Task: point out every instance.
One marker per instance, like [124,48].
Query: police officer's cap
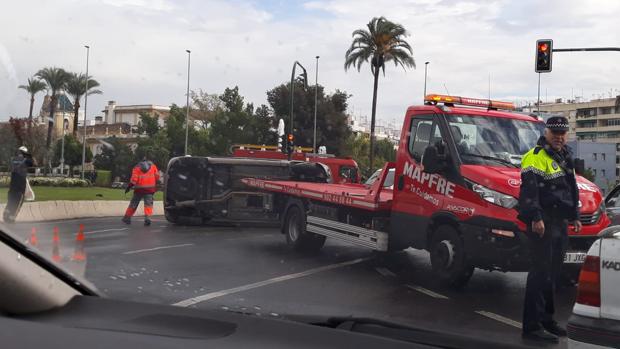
[557,123]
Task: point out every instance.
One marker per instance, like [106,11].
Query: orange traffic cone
[34,241]
[56,248]
[78,254]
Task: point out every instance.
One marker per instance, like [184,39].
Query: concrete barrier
[58,210]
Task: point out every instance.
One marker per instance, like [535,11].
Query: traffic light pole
[538,100]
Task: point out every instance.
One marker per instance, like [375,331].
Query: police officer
[17,188]
[548,201]
[144,178]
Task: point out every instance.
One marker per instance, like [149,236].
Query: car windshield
[221,154]
[493,140]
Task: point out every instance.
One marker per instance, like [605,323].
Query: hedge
[49,182]
[104,178]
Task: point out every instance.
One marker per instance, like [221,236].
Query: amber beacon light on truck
[472,102]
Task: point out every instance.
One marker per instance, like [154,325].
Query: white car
[595,322]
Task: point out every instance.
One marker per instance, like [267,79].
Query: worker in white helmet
[19,170]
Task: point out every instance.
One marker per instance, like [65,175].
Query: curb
[59,210]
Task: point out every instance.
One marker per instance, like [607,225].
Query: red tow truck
[342,170]
[455,194]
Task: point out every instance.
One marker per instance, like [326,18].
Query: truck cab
[457,180]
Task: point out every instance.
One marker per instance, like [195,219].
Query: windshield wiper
[492,158]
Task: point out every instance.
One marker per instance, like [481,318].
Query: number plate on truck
[574,257]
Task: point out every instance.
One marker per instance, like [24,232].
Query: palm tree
[33,87]
[56,79]
[76,87]
[381,43]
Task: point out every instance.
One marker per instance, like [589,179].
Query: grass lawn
[88,193]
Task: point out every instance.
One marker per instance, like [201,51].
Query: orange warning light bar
[474,102]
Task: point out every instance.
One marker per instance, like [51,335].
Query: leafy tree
[205,108]
[76,87]
[73,153]
[116,157]
[357,146]
[382,42]
[33,139]
[589,174]
[33,87]
[155,148]
[56,79]
[8,146]
[149,125]
[332,127]
[239,123]
[175,131]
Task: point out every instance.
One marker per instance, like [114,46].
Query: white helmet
[23,149]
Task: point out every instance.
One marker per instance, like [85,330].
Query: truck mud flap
[373,239]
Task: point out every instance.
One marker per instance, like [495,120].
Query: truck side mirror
[580,167]
[434,159]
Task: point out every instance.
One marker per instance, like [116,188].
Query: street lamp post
[189,53]
[316,88]
[425,74]
[290,154]
[62,148]
[85,108]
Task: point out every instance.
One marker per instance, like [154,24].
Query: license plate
[574,257]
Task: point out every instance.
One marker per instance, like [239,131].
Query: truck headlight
[494,197]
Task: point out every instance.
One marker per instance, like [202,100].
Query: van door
[417,194]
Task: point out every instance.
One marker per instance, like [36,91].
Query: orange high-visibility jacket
[144,178]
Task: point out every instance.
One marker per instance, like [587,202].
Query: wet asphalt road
[252,270]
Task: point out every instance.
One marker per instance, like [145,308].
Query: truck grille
[589,219]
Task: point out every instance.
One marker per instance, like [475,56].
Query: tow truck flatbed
[374,198]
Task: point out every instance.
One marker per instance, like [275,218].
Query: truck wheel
[296,235]
[448,257]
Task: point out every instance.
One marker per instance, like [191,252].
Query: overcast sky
[138,48]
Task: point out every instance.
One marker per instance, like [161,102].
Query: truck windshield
[482,140]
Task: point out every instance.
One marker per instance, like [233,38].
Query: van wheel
[448,257]
[171,216]
[295,231]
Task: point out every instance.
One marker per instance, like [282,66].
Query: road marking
[499,318]
[427,292]
[104,230]
[156,248]
[385,272]
[208,296]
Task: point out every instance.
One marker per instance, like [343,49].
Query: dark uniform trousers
[547,256]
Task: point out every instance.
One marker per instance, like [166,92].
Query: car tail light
[589,290]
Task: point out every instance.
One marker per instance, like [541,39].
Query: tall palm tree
[56,79]
[33,87]
[382,42]
[76,87]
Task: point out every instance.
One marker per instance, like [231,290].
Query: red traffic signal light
[290,137]
[544,51]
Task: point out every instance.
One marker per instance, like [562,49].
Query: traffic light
[289,143]
[544,51]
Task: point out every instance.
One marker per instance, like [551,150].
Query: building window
[594,172]
[607,110]
[586,112]
[612,122]
[594,156]
[617,172]
[603,173]
[603,156]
